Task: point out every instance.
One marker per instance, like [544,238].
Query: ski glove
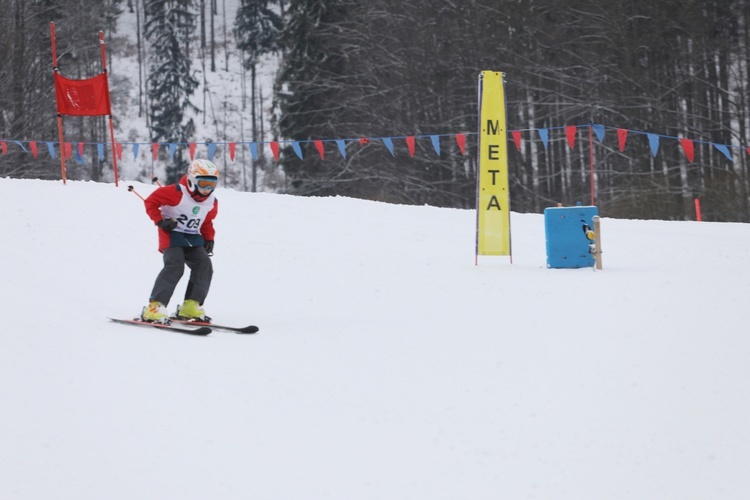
[209,246]
[167,224]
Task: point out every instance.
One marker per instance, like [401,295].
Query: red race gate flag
[89,97]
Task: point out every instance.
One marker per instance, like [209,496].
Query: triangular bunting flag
[724,150]
[544,135]
[341,143]
[571,131]
[297,149]
[599,131]
[4,147]
[435,143]
[321,149]
[79,152]
[516,139]
[389,144]
[411,145]
[461,141]
[653,142]
[688,148]
[622,136]
[570,134]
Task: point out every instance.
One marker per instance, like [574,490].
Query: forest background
[365,71]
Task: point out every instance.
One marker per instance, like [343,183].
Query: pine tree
[309,82]
[169,26]
[257,29]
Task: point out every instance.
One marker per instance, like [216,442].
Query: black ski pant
[201,272]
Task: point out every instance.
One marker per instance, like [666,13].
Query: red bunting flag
[411,145]
[570,134]
[517,139]
[461,141]
[363,141]
[687,145]
[688,148]
[89,97]
[622,136]
[4,147]
[321,149]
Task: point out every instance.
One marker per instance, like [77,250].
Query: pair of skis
[189,327]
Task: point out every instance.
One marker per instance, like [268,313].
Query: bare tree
[389,68]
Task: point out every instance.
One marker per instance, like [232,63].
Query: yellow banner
[493,198]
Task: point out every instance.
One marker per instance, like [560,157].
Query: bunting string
[319,145]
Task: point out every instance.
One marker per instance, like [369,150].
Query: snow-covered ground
[388,365]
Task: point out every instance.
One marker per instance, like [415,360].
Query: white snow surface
[388,364]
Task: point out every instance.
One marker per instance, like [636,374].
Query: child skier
[184,213]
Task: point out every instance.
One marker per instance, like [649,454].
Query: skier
[184,213]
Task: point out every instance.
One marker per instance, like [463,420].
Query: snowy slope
[388,365]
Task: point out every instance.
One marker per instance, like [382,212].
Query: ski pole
[156,180]
[132,190]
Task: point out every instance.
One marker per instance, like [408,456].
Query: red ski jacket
[171,195]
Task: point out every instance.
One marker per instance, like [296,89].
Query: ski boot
[155,312]
[192,310]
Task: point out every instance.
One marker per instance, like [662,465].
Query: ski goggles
[206,182]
